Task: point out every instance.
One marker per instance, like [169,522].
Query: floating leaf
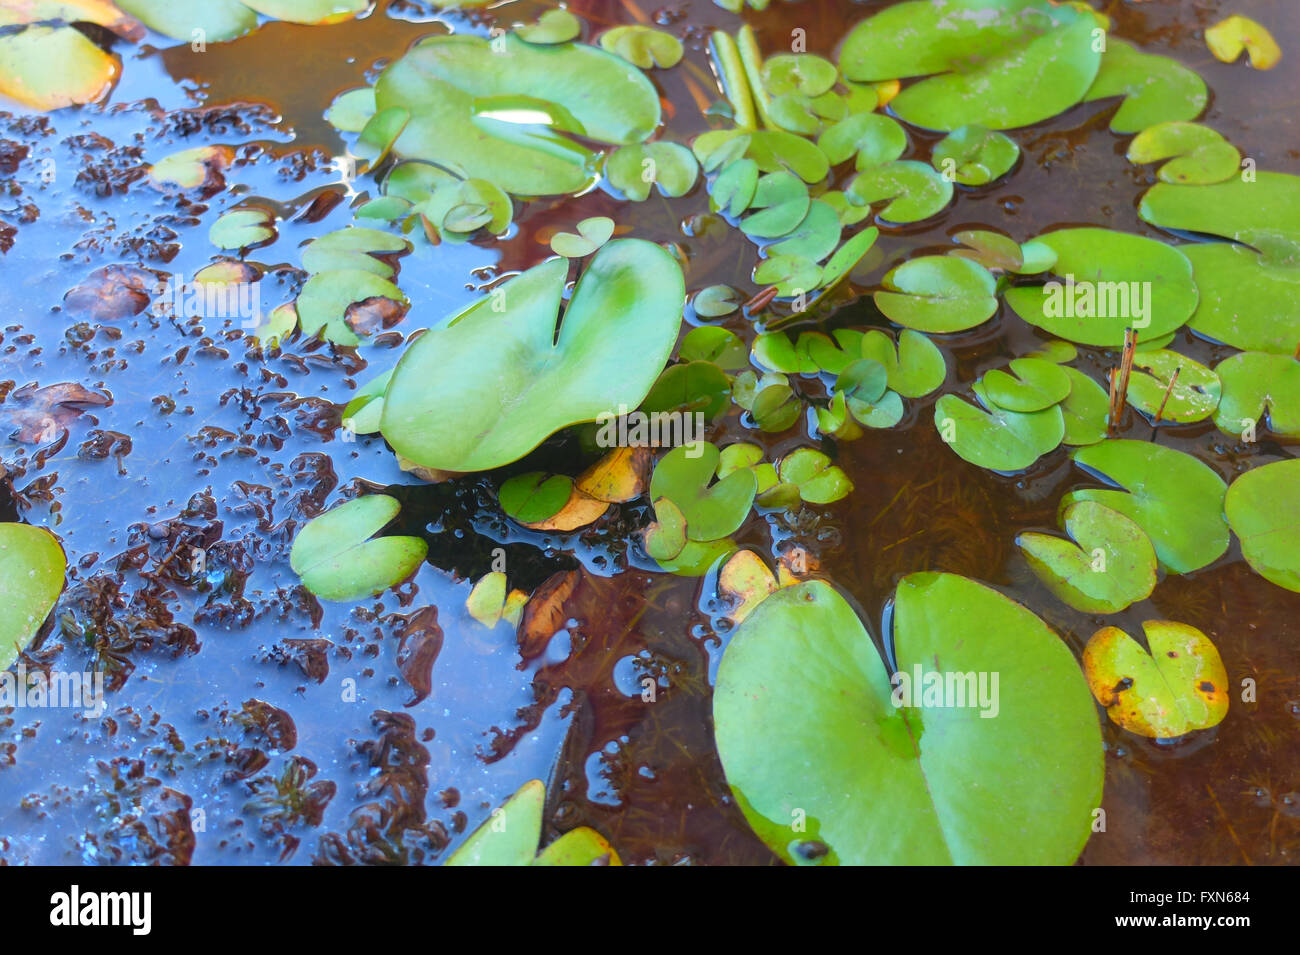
[848,255]
[199,168]
[592,234]
[711,511]
[1175,498]
[1108,565]
[1037,384]
[644,46]
[1258,387]
[583,846]
[812,239]
[1153,388]
[351,110]
[733,190]
[715,301]
[337,558]
[994,437]
[32,565]
[990,249]
[1038,257]
[773,149]
[915,369]
[511,835]
[724,348]
[46,63]
[1003,66]
[621,475]
[633,169]
[1113,281]
[1245,299]
[665,537]
[746,580]
[1264,510]
[824,743]
[1177,687]
[975,155]
[243,229]
[500,116]
[1198,154]
[1085,410]
[872,137]
[818,481]
[914,190]
[361,414]
[783,200]
[489,385]
[553,26]
[938,293]
[487,598]
[1264,212]
[216,21]
[1157,89]
[791,274]
[1227,38]
[687,388]
[309,11]
[535,496]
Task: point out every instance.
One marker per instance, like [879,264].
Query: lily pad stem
[726,60]
[753,61]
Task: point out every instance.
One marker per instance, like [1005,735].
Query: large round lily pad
[502,116]
[827,767]
[337,559]
[1109,565]
[492,383]
[1263,507]
[998,65]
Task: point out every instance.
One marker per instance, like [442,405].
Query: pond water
[250,723]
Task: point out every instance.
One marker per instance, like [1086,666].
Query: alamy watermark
[76,689]
[241,301]
[654,429]
[938,689]
[1130,301]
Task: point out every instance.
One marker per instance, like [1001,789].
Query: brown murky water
[250,723]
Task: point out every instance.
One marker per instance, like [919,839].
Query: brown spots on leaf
[374,314]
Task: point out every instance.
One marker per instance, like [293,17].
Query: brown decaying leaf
[544,614]
[374,314]
[40,415]
[622,475]
[418,647]
[113,292]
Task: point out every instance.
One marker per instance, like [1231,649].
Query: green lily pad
[1263,509]
[975,155]
[770,400]
[1003,66]
[1177,687]
[1108,564]
[818,481]
[1245,299]
[644,46]
[325,298]
[46,63]
[915,369]
[803,73]
[1119,281]
[511,835]
[362,413]
[1038,257]
[1085,410]
[690,387]
[592,234]
[501,116]
[351,110]
[379,134]
[783,202]
[724,348]
[1152,388]
[533,497]
[583,846]
[337,558]
[715,301]
[1172,496]
[665,537]
[309,11]
[872,137]
[32,565]
[991,250]
[634,169]
[1036,384]
[938,293]
[995,438]
[791,274]
[1227,38]
[1198,155]
[1258,388]
[733,190]
[243,229]
[775,351]
[1264,213]
[1156,89]
[353,248]
[219,20]
[711,511]
[553,26]
[826,767]
[814,238]
[492,383]
[914,190]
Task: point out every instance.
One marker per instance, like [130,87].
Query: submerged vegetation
[607,402]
